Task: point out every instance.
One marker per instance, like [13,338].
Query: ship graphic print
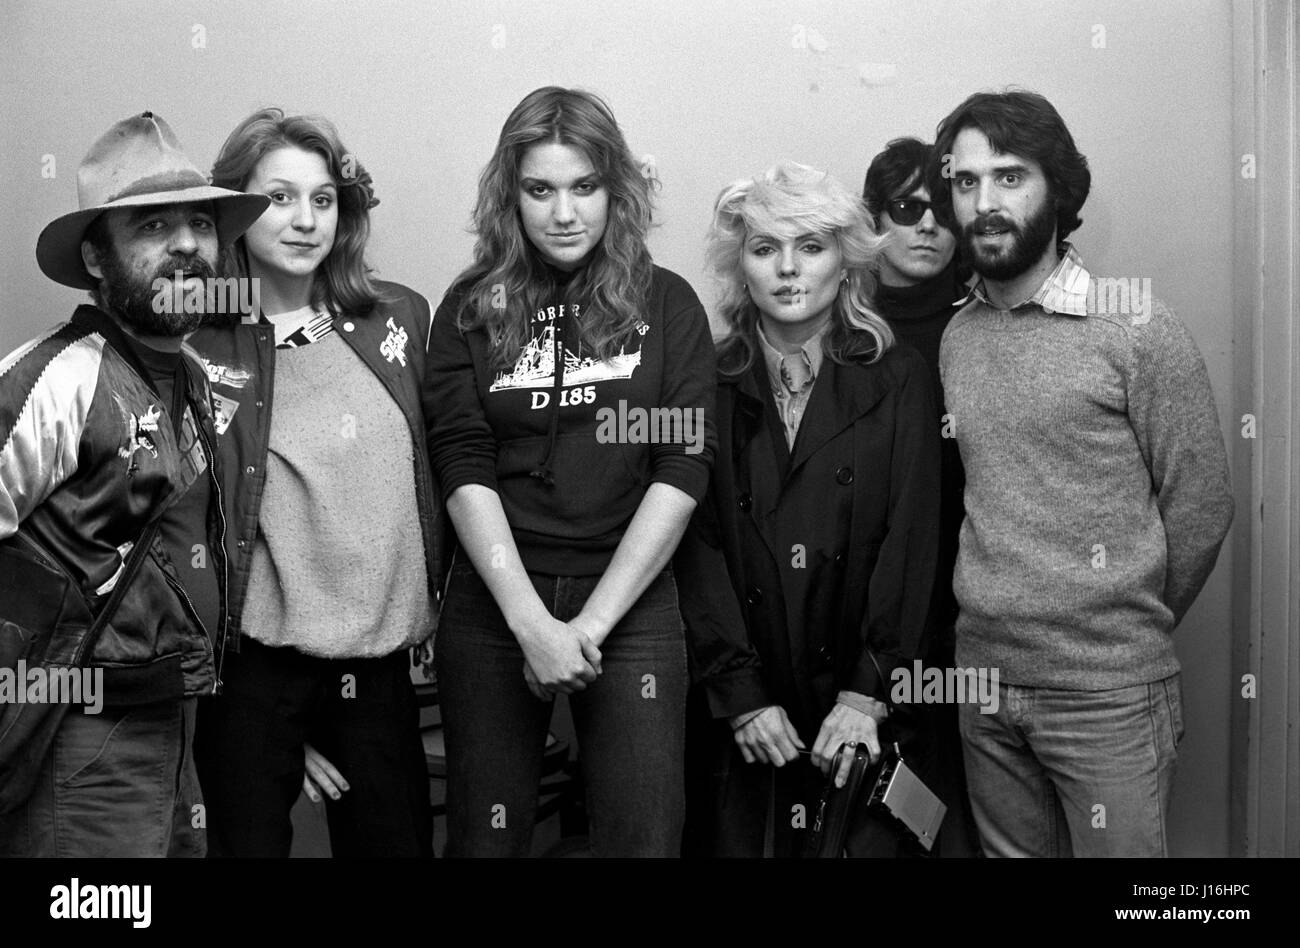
[535,367]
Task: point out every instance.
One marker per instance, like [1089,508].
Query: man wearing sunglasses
[1097,496]
[919,282]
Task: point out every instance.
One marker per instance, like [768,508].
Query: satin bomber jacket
[240,359]
[87,458]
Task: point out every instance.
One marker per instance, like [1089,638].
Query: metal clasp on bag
[821,812]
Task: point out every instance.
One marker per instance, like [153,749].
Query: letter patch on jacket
[394,344]
[227,374]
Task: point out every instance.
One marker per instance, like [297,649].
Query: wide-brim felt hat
[138,162]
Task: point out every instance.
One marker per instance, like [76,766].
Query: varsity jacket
[88,458]
[240,360]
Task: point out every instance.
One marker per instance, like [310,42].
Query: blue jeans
[118,783]
[1083,773]
[630,722]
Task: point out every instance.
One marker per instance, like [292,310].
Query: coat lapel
[841,395]
[748,413]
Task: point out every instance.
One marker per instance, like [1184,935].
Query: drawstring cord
[543,471]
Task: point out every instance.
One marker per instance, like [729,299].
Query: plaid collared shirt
[1064,291]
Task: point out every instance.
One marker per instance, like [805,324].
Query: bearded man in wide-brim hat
[107,452]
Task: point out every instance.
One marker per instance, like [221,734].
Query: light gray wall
[714,91]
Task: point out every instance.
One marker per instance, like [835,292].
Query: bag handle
[898,751]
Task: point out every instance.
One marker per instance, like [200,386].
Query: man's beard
[1027,243]
[135,300]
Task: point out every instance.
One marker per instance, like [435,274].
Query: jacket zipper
[189,603]
[129,569]
[53,562]
[48,559]
[217,685]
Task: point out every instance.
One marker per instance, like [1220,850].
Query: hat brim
[58,249]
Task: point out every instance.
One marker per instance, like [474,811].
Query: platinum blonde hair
[786,201]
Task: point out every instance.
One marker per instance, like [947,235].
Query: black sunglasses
[907,211]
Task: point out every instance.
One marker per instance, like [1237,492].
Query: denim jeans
[630,722]
[117,783]
[1083,773]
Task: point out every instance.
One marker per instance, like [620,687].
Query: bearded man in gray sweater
[1097,497]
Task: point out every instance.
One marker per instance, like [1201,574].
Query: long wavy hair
[343,281]
[786,201]
[508,279]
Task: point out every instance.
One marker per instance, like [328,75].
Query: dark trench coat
[799,567]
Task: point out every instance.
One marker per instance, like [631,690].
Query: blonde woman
[806,572]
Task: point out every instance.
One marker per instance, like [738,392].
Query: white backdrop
[713,91]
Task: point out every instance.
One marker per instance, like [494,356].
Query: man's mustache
[187,267]
[991,220]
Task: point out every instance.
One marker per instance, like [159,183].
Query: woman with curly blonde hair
[806,571]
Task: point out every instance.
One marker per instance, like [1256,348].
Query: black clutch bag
[888,788]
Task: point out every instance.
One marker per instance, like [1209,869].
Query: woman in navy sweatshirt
[574,381]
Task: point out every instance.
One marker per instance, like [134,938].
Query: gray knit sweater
[338,564]
[1097,489]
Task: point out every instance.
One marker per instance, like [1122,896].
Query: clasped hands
[768,737]
[560,657]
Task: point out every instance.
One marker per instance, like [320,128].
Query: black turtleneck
[918,315]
